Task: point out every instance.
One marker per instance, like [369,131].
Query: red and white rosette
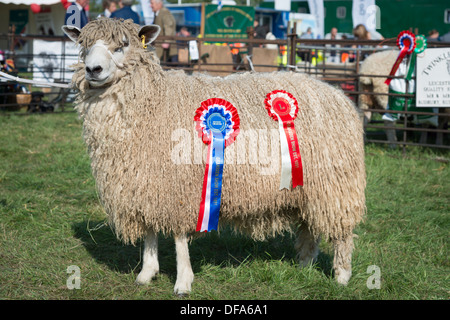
[283,107]
[406,42]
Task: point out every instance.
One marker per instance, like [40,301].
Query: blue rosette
[217,123]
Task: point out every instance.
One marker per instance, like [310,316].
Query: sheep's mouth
[97,82]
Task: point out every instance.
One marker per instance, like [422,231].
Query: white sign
[317,10]
[284,5]
[49,64]
[193,50]
[433,78]
[147,12]
[363,12]
[44,23]
[304,21]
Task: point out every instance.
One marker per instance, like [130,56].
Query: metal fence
[49,66]
[220,57]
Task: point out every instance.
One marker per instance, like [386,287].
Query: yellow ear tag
[143,42]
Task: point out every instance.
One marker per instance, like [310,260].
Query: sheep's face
[103,61]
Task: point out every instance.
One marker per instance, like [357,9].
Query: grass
[50,219]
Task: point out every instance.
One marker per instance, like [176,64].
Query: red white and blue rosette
[283,107]
[217,123]
[406,42]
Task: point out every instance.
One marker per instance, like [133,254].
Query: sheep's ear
[150,31]
[72,32]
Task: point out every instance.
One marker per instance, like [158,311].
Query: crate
[23,98]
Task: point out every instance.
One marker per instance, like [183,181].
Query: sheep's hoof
[182,294]
[343,276]
[182,289]
[145,277]
[184,282]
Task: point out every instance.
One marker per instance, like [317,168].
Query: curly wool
[379,63]
[129,130]
[110,32]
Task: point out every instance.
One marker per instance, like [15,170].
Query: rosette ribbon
[217,123]
[406,43]
[421,45]
[283,107]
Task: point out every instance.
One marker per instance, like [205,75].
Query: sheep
[134,114]
[380,64]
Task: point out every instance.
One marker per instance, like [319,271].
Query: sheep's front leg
[185,276]
[150,266]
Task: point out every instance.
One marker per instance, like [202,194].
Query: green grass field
[51,219]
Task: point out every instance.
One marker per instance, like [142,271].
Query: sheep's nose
[94,71]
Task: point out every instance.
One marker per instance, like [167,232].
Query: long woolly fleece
[132,131]
[379,63]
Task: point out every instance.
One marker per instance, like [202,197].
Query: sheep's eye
[119,49]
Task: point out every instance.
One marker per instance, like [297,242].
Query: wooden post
[202,21]
[12,34]
[357,73]
[250,35]
[199,61]
[292,45]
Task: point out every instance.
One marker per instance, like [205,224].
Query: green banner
[229,22]
[19,18]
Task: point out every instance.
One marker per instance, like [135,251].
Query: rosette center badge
[217,123]
[281,106]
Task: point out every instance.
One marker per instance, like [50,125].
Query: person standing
[308,34]
[361,33]
[164,19]
[260,31]
[333,56]
[109,7]
[125,12]
[433,36]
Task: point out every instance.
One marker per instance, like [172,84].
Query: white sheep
[134,113]
[379,65]
[374,70]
